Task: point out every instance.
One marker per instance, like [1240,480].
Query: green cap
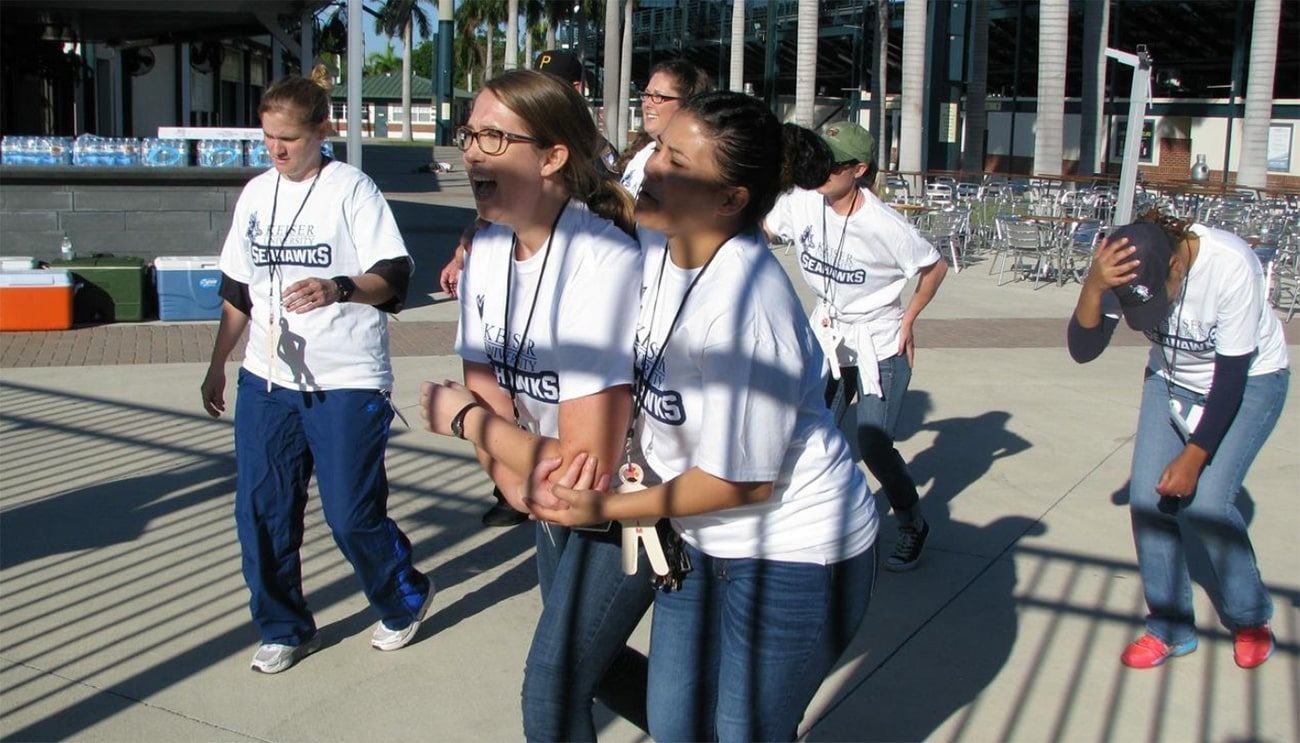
[848,141]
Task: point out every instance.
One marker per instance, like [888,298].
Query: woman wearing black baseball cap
[1216,380]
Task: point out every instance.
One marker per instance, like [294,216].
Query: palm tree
[512,35]
[880,85]
[625,77]
[972,153]
[400,16]
[467,52]
[1253,168]
[911,131]
[379,63]
[532,22]
[613,55]
[1049,134]
[805,79]
[737,46]
[555,13]
[1096,21]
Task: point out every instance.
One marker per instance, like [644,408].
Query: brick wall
[144,220]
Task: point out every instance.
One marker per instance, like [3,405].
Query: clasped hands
[573,497]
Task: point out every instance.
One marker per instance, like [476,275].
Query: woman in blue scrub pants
[311,266]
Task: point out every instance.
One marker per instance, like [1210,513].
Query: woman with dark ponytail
[734,440]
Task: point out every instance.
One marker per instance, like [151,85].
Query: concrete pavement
[123,614]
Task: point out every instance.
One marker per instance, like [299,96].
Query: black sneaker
[501,514]
[907,552]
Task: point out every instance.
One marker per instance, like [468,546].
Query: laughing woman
[742,451]
[546,336]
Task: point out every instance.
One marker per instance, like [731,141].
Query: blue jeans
[281,437]
[1210,516]
[579,650]
[739,651]
[869,422]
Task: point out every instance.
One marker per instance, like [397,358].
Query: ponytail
[806,161]
[610,200]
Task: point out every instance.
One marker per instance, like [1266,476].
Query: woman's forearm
[691,493]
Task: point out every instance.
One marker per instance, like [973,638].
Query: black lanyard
[512,369]
[272,259]
[827,283]
[641,378]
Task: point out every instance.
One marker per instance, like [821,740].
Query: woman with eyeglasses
[857,255]
[546,334]
[738,447]
[670,83]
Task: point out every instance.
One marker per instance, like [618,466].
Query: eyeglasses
[490,141]
[659,98]
[842,165]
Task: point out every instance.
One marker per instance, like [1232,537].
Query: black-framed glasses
[659,98]
[490,141]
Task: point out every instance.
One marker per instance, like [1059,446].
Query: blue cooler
[187,287]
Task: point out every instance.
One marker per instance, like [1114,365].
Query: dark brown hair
[689,80]
[1177,228]
[754,150]
[556,114]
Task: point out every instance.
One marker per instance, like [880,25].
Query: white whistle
[639,531]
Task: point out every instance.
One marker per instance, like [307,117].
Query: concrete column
[1253,170]
[737,83]
[356,53]
[609,88]
[1049,130]
[911,133]
[308,36]
[1096,24]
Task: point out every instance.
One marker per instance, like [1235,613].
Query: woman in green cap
[857,254]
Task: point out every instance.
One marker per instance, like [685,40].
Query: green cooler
[108,288]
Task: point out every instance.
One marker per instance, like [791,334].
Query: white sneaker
[274,657]
[394,639]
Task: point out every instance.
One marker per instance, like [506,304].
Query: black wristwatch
[458,421]
[346,287]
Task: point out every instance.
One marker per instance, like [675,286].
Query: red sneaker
[1252,646]
[1149,651]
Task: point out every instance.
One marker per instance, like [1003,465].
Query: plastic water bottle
[66,248]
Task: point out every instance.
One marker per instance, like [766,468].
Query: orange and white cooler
[35,300]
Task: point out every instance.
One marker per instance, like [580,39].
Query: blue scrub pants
[281,437]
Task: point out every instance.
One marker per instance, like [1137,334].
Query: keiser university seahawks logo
[539,384]
[814,265]
[1192,336]
[663,405]
[287,248]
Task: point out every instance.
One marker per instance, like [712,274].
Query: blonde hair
[308,97]
[556,114]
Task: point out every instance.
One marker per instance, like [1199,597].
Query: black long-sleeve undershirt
[1227,386]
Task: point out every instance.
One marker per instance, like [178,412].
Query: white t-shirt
[1224,311]
[339,226]
[581,336]
[859,286]
[634,172]
[739,393]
